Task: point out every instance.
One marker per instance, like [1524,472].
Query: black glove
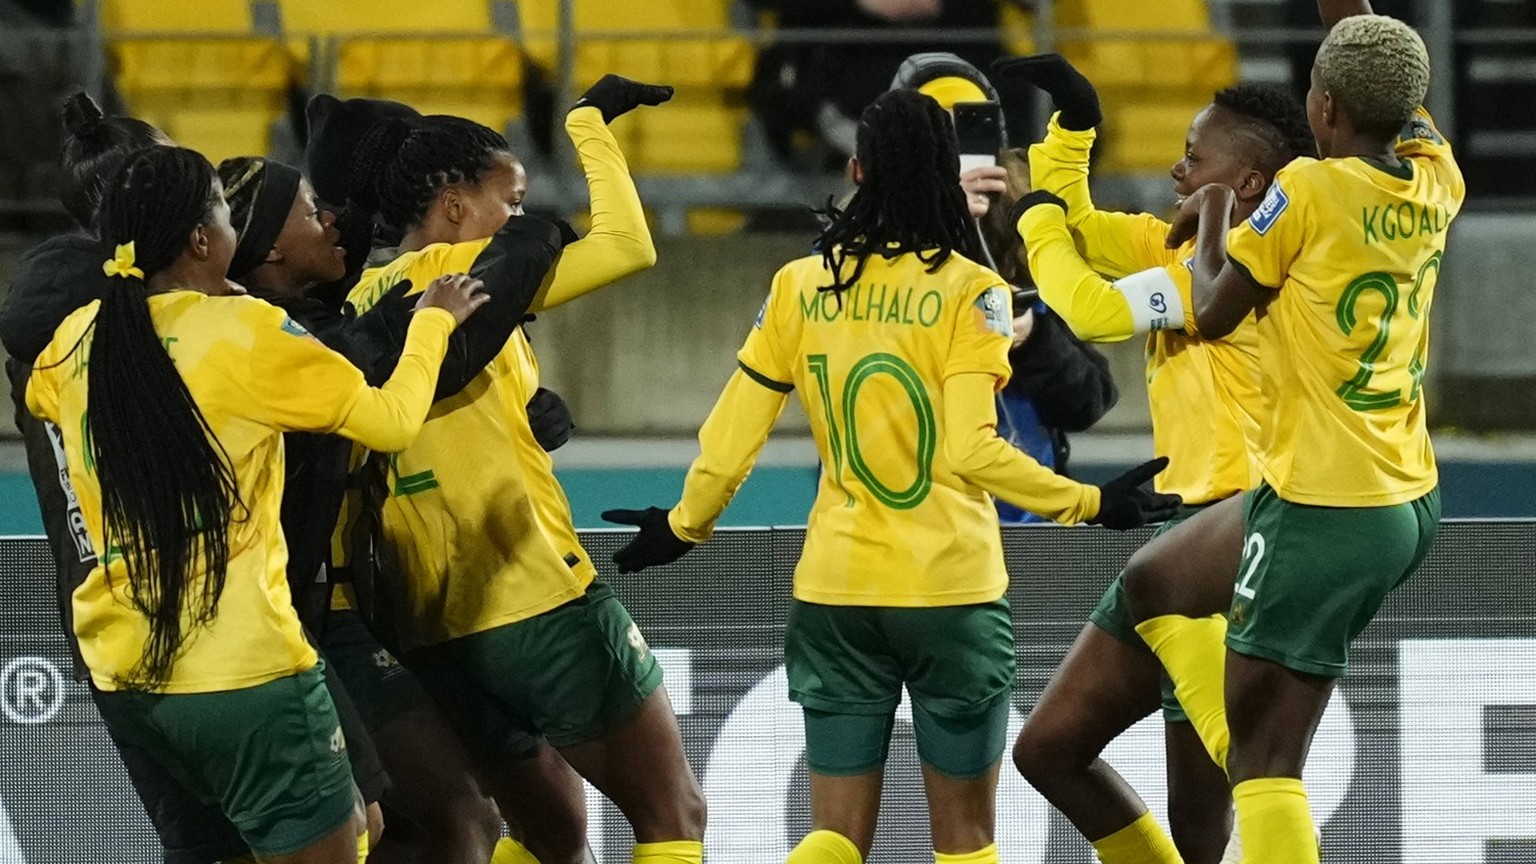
[1124,505]
[653,546]
[550,418]
[1073,94]
[1034,199]
[615,96]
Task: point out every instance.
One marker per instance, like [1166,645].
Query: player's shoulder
[1292,187]
[67,336]
[965,277]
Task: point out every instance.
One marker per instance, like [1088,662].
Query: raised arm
[619,243]
[1097,309]
[1115,244]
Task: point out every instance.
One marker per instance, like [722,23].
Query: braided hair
[167,487]
[402,164]
[910,198]
[1275,117]
[94,147]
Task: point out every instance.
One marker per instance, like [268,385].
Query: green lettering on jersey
[1368,219]
[410,484]
[874,310]
[1405,213]
[87,445]
[928,314]
[810,309]
[852,301]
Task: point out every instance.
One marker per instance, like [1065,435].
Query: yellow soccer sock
[669,852]
[984,855]
[509,851]
[825,847]
[1194,652]
[1141,842]
[362,848]
[1275,822]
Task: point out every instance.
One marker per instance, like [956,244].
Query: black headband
[276,184]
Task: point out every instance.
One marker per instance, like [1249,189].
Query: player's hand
[1073,94]
[550,419]
[980,184]
[459,293]
[1186,223]
[615,96]
[1037,198]
[653,546]
[1124,504]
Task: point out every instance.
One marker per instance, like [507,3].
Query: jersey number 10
[1355,392]
[844,442]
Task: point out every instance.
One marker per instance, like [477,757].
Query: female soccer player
[171,397]
[496,597]
[1343,254]
[1205,403]
[285,249]
[897,343]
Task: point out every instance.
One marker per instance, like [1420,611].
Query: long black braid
[167,487]
[910,198]
[1276,117]
[401,165]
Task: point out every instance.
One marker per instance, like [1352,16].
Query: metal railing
[762,182]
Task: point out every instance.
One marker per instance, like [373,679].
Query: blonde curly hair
[1377,70]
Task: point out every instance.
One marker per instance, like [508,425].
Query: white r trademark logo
[31,690]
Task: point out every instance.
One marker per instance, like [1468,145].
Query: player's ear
[453,204]
[1330,110]
[1252,187]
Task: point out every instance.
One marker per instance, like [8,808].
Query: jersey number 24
[1356,392]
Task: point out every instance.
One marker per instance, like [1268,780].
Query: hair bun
[82,116]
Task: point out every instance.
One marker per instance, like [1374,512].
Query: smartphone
[979,126]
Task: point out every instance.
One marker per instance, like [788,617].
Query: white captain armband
[1154,300]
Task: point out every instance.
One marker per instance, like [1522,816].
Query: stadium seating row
[217,74]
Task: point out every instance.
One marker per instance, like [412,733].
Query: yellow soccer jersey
[1204,394]
[1352,248]
[894,524]
[254,375]
[476,521]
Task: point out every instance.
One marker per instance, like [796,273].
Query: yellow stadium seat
[1150,88]
[700,130]
[199,71]
[438,57]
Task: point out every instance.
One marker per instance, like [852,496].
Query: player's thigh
[962,813]
[1312,578]
[1188,567]
[958,665]
[844,674]
[272,756]
[570,674]
[192,830]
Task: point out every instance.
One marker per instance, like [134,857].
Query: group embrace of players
[230,429]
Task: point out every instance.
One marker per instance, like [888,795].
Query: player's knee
[1038,752]
[1146,587]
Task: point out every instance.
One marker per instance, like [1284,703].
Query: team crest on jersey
[293,327]
[1269,212]
[993,305]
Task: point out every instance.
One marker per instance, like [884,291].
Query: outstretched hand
[615,95]
[1073,94]
[653,546]
[1124,504]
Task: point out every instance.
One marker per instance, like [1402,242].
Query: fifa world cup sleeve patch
[995,314]
[762,312]
[1269,212]
[293,327]
[1419,128]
